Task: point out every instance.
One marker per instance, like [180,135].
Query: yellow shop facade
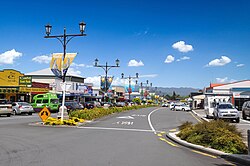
[15,86]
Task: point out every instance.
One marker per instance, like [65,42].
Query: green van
[50,100]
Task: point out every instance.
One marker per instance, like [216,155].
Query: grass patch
[217,134]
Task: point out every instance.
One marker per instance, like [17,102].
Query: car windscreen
[225,106]
[54,101]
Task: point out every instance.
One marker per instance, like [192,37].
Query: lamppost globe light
[96,62]
[117,62]
[48,29]
[147,81]
[82,26]
[137,75]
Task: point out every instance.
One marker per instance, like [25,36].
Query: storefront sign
[9,77]
[28,90]
[25,81]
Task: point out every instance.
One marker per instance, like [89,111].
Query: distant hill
[182,91]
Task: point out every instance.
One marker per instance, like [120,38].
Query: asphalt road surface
[134,138]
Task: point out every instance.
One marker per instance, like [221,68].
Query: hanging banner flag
[109,82]
[103,83]
[56,64]
[69,57]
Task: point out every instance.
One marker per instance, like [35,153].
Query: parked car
[164,105]
[107,104]
[73,105]
[92,104]
[171,106]
[182,107]
[226,111]
[5,108]
[246,110]
[120,104]
[22,108]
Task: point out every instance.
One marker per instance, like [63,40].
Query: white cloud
[182,47]
[219,62]
[42,59]
[224,80]
[9,56]
[183,58]
[169,59]
[77,65]
[94,80]
[73,71]
[240,65]
[148,76]
[135,63]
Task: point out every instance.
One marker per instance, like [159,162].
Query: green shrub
[219,135]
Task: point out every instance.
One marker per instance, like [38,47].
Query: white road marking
[117,129]
[244,120]
[125,117]
[149,121]
[124,123]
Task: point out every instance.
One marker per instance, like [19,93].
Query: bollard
[248,141]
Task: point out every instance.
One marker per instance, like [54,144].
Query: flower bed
[90,114]
[218,135]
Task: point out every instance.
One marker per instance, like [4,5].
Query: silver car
[22,108]
[226,111]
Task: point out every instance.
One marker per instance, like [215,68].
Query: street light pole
[106,68]
[129,81]
[146,87]
[64,40]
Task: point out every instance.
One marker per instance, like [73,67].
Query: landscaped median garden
[217,134]
[79,116]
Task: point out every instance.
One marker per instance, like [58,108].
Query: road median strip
[242,159]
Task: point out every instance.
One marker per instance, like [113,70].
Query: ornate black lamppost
[129,81]
[64,39]
[106,68]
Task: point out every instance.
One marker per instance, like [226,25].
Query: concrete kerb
[200,116]
[242,159]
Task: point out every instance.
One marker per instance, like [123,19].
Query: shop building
[239,91]
[15,86]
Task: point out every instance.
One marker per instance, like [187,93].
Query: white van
[211,101]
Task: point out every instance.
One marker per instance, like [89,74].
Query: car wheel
[8,115]
[30,113]
[14,112]
[238,120]
[183,109]
[244,115]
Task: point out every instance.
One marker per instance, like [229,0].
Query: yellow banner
[68,60]
[56,61]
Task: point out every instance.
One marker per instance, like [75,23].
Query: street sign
[44,114]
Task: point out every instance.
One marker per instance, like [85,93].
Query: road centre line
[149,120]
[170,143]
[204,154]
[116,129]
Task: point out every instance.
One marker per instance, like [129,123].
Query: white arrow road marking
[125,117]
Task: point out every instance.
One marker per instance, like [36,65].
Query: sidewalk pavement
[242,159]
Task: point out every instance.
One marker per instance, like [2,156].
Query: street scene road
[131,138]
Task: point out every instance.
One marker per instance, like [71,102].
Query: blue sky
[171,43]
